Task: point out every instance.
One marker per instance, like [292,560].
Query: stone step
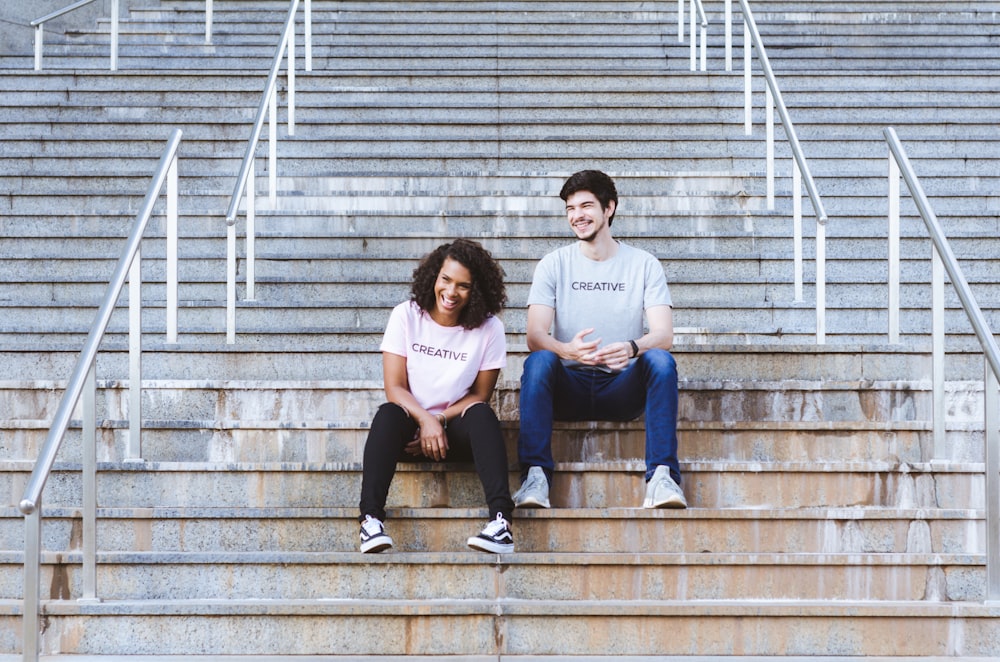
[277,530]
[275,361]
[528,627]
[614,484]
[319,576]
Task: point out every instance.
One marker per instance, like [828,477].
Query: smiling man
[591,357]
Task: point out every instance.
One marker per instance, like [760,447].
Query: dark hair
[488,295]
[595,181]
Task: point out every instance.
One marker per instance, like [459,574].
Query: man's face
[586,217]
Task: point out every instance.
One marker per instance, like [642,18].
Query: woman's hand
[432,438]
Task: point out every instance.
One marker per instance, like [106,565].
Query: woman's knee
[390,412]
[479,413]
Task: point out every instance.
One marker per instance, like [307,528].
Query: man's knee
[659,362]
[539,364]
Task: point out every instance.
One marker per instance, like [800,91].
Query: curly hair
[488,294]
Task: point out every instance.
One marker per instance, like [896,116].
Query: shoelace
[371,526]
[496,526]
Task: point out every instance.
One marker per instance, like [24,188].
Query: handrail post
[693,36]
[172,252]
[991,438]
[894,263]
[680,21]
[291,81]
[747,80]
[39,37]
[134,446]
[31,631]
[251,241]
[114,34]
[797,231]
[88,448]
[230,283]
[208,21]
[272,149]
[937,353]
[729,34]
[820,282]
[308,35]
[769,144]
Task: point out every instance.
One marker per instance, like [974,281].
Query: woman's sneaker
[495,538]
[373,536]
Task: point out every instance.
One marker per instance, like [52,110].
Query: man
[590,359]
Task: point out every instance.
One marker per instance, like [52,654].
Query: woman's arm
[433,441]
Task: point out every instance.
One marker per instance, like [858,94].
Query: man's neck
[602,247]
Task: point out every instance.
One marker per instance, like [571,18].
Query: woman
[441,356]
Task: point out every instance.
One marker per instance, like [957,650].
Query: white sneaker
[373,536]
[496,537]
[662,491]
[534,490]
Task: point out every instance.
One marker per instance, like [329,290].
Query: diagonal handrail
[801,173]
[944,255]
[81,384]
[267,108]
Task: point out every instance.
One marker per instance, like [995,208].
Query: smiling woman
[442,353]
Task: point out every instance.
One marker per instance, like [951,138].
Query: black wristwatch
[635,348]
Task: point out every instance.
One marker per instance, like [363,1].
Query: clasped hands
[615,356]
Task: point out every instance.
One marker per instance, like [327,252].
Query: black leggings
[475,435]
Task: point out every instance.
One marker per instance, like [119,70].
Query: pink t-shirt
[442,362]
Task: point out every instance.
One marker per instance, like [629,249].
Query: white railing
[245,188]
[801,174]
[944,261]
[82,385]
[39,25]
[699,19]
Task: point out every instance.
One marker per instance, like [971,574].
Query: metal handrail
[697,10]
[244,180]
[81,383]
[801,173]
[945,260]
[39,24]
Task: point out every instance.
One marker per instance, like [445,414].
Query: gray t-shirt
[610,295]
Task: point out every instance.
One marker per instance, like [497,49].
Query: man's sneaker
[663,492]
[495,538]
[373,536]
[534,492]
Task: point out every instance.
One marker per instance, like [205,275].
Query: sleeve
[656,292]
[543,284]
[495,352]
[394,338]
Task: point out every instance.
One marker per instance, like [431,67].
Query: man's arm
[661,329]
[540,322]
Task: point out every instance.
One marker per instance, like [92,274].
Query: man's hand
[616,355]
[583,351]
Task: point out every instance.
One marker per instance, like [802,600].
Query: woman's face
[452,289]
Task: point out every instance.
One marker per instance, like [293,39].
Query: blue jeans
[550,391]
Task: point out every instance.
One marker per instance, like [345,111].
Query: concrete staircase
[821,523]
